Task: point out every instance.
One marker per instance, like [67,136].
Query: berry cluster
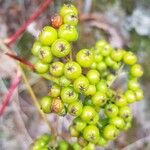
[54,42]
[46,142]
[84,85]
[41,143]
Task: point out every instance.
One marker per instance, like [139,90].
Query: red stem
[21,60]
[39,11]
[8,96]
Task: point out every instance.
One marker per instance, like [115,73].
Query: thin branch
[35,15]
[11,90]
[117,75]
[21,60]
[34,99]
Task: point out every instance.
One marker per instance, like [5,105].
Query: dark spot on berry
[87,53]
[70,68]
[68,27]
[73,111]
[62,47]
[54,67]
[42,53]
[126,115]
[91,119]
[81,88]
[92,137]
[109,109]
[103,101]
[73,17]
[114,135]
[70,93]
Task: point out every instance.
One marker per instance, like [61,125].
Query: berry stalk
[8,96]
[21,60]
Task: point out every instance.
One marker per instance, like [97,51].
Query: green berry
[129,58]
[48,35]
[45,103]
[60,48]
[85,58]
[41,68]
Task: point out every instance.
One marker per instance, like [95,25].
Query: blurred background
[123,23]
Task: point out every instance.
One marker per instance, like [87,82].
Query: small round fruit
[41,67]
[36,47]
[118,122]
[93,65]
[54,90]
[60,48]
[57,105]
[88,112]
[38,145]
[125,113]
[93,76]
[46,137]
[91,133]
[76,146]
[45,54]
[90,146]
[109,62]
[136,70]
[56,21]
[94,120]
[63,145]
[100,44]
[139,94]
[48,35]
[85,58]
[68,8]
[72,70]
[57,69]
[116,66]
[130,96]
[63,81]
[68,95]
[99,99]
[45,104]
[111,110]
[91,90]
[127,126]
[129,58]
[120,101]
[101,66]
[71,19]
[133,84]
[79,124]
[75,108]
[110,132]
[106,50]
[73,131]
[102,86]
[68,32]
[97,57]
[81,84]
[117,55]
[110,79]
[102,141]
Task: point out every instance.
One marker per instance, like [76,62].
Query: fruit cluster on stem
[83,88]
